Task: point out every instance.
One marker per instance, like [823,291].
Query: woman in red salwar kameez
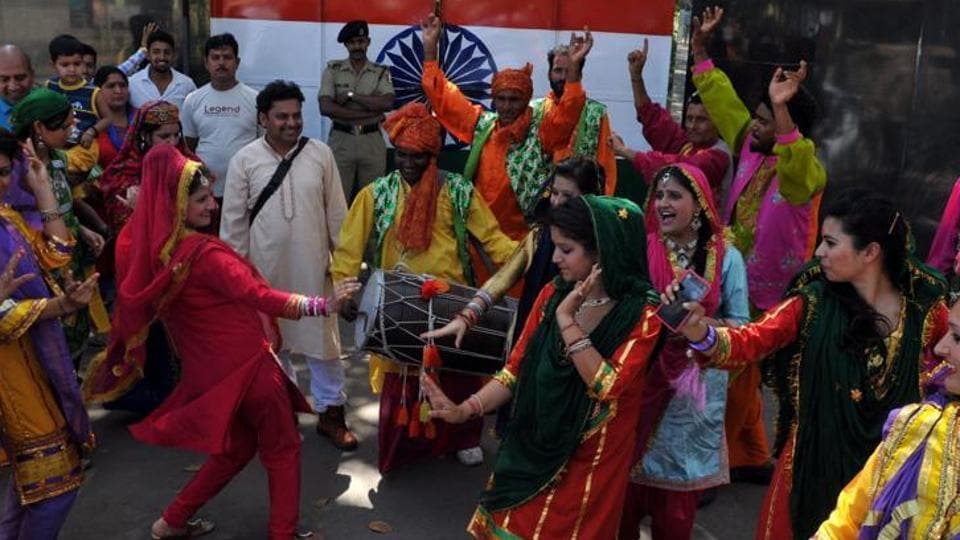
[233,399]
[562,467]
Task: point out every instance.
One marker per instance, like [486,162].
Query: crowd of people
[194,245]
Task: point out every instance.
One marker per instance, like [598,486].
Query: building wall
[105,25]
[886,78]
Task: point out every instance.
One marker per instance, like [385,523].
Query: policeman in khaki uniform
[355,93]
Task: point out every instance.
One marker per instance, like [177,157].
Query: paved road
[130,483]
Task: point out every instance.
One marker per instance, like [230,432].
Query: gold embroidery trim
[586,489]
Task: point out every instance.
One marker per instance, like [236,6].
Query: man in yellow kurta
[42,418]
[419,218]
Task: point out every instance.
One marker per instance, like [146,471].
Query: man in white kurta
[292,237]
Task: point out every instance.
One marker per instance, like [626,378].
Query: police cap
[353,29]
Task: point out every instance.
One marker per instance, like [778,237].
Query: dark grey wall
[886,76]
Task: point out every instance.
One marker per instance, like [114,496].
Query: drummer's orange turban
[515,79]
[412,127]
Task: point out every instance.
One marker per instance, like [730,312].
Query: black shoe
[752,474]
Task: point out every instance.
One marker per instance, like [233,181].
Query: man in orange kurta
[590,137]
[512,148]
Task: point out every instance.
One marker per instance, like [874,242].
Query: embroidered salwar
[910,486]
[585,499]
[829,400]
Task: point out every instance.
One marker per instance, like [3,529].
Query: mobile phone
[692,288]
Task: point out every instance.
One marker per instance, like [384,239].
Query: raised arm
[560,121]
[457,113]
[726,109]
[800,173]
[659,128]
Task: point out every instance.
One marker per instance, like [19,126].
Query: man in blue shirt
[16,80]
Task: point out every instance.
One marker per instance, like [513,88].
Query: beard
[557,87]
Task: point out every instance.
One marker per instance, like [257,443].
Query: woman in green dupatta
[852,340]
[575,375]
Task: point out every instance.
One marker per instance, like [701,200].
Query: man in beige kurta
[292,237]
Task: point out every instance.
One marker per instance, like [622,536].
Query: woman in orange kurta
[562,467]
[512,147]
[853,340]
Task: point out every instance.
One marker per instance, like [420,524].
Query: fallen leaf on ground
[192,468]
[381,527]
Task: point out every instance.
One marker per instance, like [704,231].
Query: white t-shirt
[223,122]
[142,89]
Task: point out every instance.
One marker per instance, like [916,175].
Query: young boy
[66,56]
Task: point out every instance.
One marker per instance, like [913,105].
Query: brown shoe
[330,423]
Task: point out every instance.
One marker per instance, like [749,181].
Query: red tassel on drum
[402,417]
[430,430]
[413,429]
[432,362]
[433,287]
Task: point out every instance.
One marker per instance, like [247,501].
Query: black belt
[355,129]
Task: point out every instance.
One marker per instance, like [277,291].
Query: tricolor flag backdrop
[294,39]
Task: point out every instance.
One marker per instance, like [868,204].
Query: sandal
[195,527]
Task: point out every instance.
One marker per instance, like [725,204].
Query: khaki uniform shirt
[372,80]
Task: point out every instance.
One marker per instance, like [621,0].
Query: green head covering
[552,409]
[40,104]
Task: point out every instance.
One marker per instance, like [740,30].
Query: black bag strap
[278,175]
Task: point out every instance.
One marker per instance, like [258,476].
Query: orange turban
[515,79]
[412,127]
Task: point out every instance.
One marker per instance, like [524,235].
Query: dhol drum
[392,316]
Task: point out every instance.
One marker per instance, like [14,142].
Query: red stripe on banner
[653,17]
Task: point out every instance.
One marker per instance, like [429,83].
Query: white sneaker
[470,456]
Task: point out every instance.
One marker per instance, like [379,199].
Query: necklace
[683,252]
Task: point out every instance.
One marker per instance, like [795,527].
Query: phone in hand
[692,288]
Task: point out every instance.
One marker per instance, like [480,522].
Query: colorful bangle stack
[579,345]
[707,342]
[475,309]
[475,404]
[313,306]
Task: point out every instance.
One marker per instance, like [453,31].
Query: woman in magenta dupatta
[233,400]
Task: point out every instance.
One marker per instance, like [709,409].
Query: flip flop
[195,527]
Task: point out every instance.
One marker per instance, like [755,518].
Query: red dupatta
[673,371]
[125,169]
[161,251]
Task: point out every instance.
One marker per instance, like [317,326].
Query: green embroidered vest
[386,192]
[527,164]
